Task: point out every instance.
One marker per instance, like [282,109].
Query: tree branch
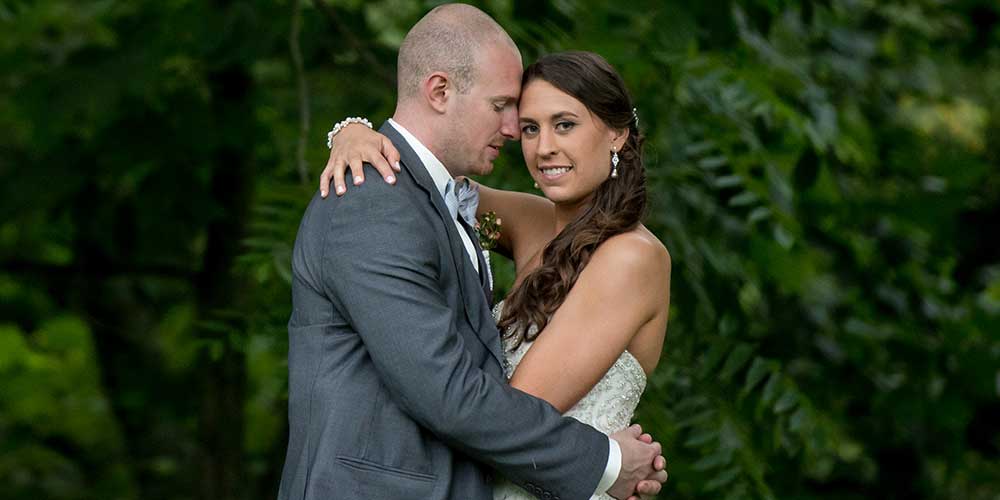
[352,40]
[303,86]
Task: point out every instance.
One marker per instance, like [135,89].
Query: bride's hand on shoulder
[354,146]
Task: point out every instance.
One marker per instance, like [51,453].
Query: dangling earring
[614,164]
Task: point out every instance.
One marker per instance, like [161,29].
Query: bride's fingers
[357,169]
[339,185]
[659,463]
[324,181]
[382,165]
[646,438]
[330,174]
[390,153]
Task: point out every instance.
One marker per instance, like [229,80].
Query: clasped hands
[643,469]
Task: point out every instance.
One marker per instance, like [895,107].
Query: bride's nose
[547,144]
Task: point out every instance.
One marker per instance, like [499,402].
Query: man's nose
[508,124]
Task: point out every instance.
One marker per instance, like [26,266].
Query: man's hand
[650,486]
[353,146]
[643,468]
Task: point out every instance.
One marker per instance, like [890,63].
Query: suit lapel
[484,268]
[468,279]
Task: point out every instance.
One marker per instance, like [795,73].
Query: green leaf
[717,459]
[713,357]
[712,162]
[744,199]
[695,419]
[771,388]
[701,437]
[698,148]
[799,420]
[738,357]
[787,401]
[783,237]
[758,214]
[13,347]
[728,325]
[690,404]
[758,370]
[722,479]
[727,181]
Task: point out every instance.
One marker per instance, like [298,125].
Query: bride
[585,321]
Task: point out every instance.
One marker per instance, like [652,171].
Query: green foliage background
[824,173]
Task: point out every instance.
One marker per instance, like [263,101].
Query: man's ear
[437,89]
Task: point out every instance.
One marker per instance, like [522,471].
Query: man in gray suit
[396,386]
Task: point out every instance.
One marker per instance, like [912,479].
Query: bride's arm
[624,289]
[526,219]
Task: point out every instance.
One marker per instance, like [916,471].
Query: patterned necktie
[462,199]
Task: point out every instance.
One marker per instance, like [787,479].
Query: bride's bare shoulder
[637,250]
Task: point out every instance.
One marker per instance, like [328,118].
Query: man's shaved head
[447,39]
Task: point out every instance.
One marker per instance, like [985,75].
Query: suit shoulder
[377,201]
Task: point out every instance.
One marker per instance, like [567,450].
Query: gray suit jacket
[396,389]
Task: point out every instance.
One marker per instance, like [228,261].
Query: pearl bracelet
[340,126]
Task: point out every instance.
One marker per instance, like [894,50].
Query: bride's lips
[553,172]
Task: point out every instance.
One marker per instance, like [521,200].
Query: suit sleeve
[381,269]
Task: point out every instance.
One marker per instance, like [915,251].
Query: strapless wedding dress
[608,407]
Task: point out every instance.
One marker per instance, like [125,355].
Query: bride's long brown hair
[616,206]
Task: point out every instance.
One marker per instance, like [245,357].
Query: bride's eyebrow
[564,114]
[554,117]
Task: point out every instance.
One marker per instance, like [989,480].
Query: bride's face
[566,148]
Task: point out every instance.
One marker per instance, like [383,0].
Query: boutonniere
[488,229]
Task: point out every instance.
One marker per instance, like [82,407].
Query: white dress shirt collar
[439,174]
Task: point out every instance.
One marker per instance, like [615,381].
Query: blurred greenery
[824,173]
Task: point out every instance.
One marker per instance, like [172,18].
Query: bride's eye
[564,126]
[529,129]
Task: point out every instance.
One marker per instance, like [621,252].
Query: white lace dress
[608,407]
